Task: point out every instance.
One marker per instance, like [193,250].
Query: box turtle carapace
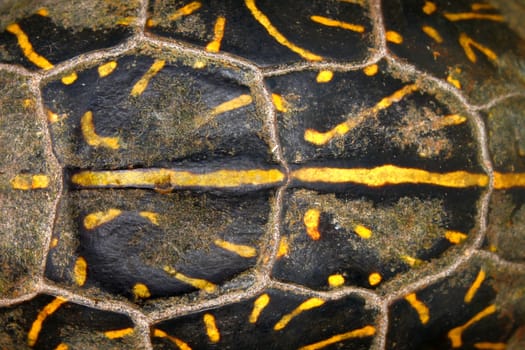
[256,174]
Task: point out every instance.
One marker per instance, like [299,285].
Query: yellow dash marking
[371,70]
[218,34]
[185,10]
[481,6]
[450,120]
[80,271]
[454,81]
[162,178]
[357,2]
[508,180]
[118,333]
[62,346]
[161,334]
[36,327]
[258,306]
[311,221]
[234,103]
[394,37]
[467,43]
[98,218]
[27,48]
[141,291]
[366,331]
[432,33]
[339,24]
[151,216]
[92,138]
[419,306]
[455,334]
[475,286]
[199,64]
[490,346]
[54,242]
[473,15]
[429,7]
[69,79]
[107,68]
[410,260]
[211,328]
[455,237]
[374,279]
[195,282]
[284,247]
[324,76]
[126,21]
[390,175]
[321,138]
[239,249]
[306,305]
[43,12]
[336,280]
[281,39]
[27,182]
[362,231]
[53,117]
[280,103]
[143,82]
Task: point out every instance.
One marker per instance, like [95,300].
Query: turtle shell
[232,174]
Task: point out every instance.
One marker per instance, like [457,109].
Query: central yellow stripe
[390,175]
[162,178]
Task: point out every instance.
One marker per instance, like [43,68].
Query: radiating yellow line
[118,333]
[36,327]
[433,33]
[185,10]
[69,79]
[394,37]
[258,306]
[475,286]
[244,251]
[62,346]
[463,16]
[419,306]
[27,48]
[167,178]
[321,138]
[280,103]
[481,6]
[306,305]
[490,346]
[390,175]
[339,24]
[198,283]
[455,237]
[151,216]
[455,334]
[230,105]
[281,39]
[96,219]
[366,331]
[143,82]
[363,231]
[92,138]
[218,34]
[161,334]
[211,328]
[467,43]
[107,68]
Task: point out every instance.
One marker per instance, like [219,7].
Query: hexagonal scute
[382,185]
[479,306]
[506,140]
[140,123]
[273,319]
[467,43]
[48,322]
[28,187]
[267,32]
[42,34]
